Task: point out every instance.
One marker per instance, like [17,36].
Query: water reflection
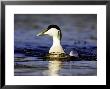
[54,67]
[30,66]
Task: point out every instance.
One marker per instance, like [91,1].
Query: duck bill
[42,33]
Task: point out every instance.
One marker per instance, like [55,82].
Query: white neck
[56,47]
[56,41]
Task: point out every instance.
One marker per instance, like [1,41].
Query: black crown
[53,26]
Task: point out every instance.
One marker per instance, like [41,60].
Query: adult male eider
[56,51]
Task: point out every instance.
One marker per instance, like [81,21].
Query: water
[79,35]
[55,68]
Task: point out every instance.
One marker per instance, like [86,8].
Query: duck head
[52,30]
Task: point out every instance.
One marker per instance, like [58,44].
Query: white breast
[56,49]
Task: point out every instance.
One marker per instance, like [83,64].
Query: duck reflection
[54,68]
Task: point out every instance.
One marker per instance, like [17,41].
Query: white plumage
[56,34]
[56,50]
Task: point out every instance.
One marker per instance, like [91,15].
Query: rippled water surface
[79,35]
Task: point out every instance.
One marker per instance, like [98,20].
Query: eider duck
[56,51]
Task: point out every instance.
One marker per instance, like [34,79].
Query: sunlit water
[79,35]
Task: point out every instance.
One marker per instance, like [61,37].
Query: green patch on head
[59,35]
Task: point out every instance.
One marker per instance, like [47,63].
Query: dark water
[79,35]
